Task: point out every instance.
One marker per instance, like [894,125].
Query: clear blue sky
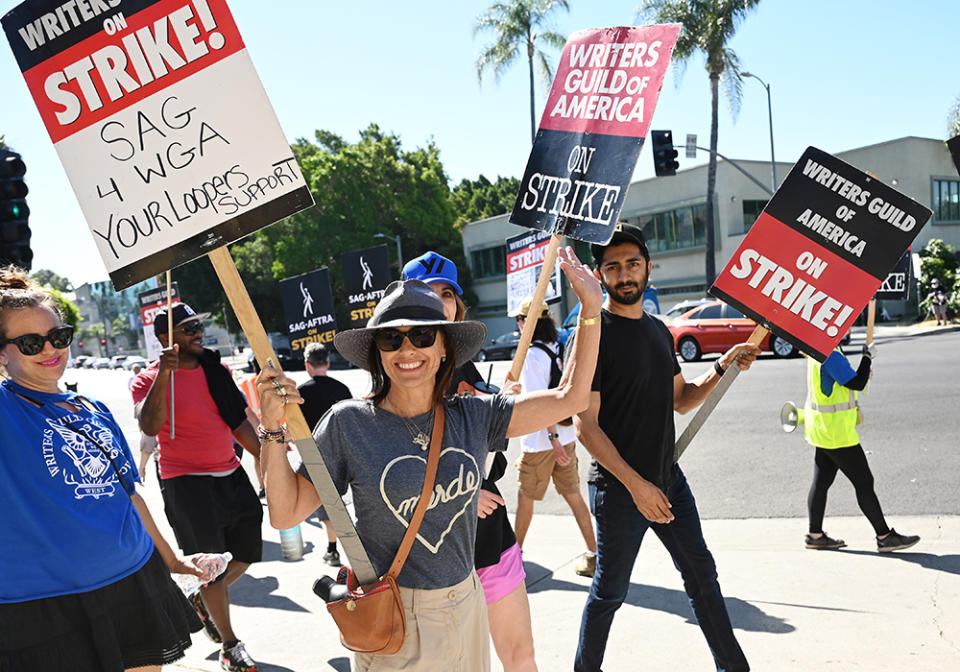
[842,75]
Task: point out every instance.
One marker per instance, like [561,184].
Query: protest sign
[152,303]
[593,125]
[366,273]
[161,123]
[308,309]
[896,286]
[525,255]
[819,251]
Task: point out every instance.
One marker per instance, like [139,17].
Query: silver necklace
[419,437]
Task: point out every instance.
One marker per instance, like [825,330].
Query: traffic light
[14,232]
[664,155]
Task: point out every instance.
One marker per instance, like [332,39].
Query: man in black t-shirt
[319,394]
[634,483]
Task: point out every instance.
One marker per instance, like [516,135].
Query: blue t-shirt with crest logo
[68,524]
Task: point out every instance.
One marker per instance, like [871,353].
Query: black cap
[623,233]
[182,313]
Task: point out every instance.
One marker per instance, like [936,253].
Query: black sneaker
[896,541]
[209,627]
[824,543]
[332,558]
[236,659]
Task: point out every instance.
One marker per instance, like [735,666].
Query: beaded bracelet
[267,435]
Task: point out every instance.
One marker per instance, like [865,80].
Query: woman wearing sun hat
[376,446]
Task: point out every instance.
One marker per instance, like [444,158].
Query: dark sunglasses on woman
[388,340]
[32,344]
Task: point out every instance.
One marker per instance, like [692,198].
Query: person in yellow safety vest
[831,414]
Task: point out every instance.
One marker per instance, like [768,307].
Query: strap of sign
[337,512]
[705,409]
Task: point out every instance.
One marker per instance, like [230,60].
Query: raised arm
[688,395]
[536,410]
[152,411]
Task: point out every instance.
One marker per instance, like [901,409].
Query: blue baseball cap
[431,267]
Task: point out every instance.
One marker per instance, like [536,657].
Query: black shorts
[142,619]
[214,514]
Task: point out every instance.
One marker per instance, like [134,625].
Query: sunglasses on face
[389,340]
[32,344]
[191,328]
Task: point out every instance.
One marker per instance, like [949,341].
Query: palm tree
[708,26]
[515,24]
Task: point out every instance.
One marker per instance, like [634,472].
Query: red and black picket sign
[819,252]
[593,125]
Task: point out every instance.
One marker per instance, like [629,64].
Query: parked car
[101,363]
[281,345]
[716,327]
[79,362]
[134,359]
[116,362]
[503,346]
[681,308]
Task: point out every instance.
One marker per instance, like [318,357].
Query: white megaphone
[790,417]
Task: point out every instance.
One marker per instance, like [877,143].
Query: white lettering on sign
[577,199]
[835,234]
[792,292]
[527,258]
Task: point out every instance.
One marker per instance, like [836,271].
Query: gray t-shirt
[372,451]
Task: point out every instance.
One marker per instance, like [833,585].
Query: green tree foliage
[708,27]
[519,27]
[939,260]
[480,198]
[48,278]
[363,188]
[69,310]
[953,119]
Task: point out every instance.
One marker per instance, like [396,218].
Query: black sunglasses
[191,328]
[388,340]
[32,344]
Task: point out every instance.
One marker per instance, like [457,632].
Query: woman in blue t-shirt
[84,573]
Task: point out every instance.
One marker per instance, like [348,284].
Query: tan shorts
[447,629]
[536,469]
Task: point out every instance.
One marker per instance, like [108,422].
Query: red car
[716,327]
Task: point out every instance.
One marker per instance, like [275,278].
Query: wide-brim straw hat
[410,303]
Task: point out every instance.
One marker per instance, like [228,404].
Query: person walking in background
[84,573]
[830,417]
[319,394]
[496,557]
[550,453]
[938,301]
[208,499]
[376,446]
[635,484]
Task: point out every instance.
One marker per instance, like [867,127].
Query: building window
[946,200]
[751,210]
[673,229]
[490,262]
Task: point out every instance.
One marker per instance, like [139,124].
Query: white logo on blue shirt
[91,474]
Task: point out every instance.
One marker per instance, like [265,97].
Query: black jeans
[853,463]
[620,529]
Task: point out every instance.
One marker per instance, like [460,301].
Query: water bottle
[212,564]
[291,543]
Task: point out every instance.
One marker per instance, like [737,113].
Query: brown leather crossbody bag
[371,618]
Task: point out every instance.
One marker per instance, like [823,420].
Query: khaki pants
[446,630]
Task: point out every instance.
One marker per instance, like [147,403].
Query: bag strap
[436,447]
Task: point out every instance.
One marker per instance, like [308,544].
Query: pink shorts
[501,579]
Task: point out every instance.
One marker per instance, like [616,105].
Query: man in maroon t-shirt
[208,499]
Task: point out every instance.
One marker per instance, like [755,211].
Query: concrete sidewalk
[792,608]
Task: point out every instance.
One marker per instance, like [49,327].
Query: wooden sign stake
[871,320]
[529,326]
[173,433]
[706,408]
[296,424]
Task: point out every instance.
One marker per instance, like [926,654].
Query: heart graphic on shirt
[448,500]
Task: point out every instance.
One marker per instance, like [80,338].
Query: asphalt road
[742,465]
